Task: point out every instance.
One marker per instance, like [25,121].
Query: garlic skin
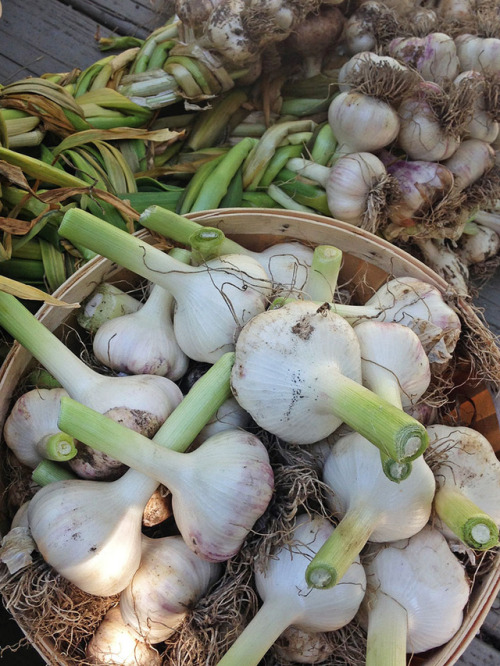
[143,342]
[229,416]
[393,362]
[428,584]
[17,545]
[166,586]
[269,389]
[472,159]
[287,265]
[106,302]
[32,419]
[350,182]
[481,54]
[303,647]
[434,56]
[421,184]
[421,307]
[421,133]
[465,460]
[349,111]
[90,531]
[478,247]
[115,644]
[224,492]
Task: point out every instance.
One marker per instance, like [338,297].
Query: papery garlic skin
[427,582]
[115,644]
[421,134]
[421,307]
[478,53]
[350,182]
[33,418]
[350,111]
[433,56]
[166,586]
[302,647]
[421,184]
[229,416]
[143,342]
[282,397]
[89,531]
[478,247]
[222,494]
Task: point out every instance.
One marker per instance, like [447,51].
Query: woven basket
[368,260]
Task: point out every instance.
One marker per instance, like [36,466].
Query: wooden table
[54,36]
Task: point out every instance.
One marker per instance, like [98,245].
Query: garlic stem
[387,629]
[394,470]
[206,243]
[263,630]
[49,472]
[323,274]
[342,547]
[58,447]
[180,228]
[66,367]
[487,219]
[309,169]
[394,432]
[472,525]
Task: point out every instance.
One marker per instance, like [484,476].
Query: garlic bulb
[472,159]
[351,111]
[424,133]
[298,373]
[361,61]
[478,247]
[421,184]
[483,124]
[31,429]
[106,302]
[166,586]
[468,479]
[118,645]
[361,29]
[371,507]
[219,490]
[303,647]
[434,56]
[287,601]
[446,262]
[478,53]
[235,286]
[354,189]
[416,594]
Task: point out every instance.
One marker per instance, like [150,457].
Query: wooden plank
[50,37]
[126,17]
[479,654]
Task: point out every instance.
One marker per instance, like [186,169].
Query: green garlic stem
[271,620]
[339,551]
[323,274]
[206,244]
[49,472]
[387,632]
[58,447]
[53,354]
[180,229]
[397,434]
[465,519]
[394,470]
